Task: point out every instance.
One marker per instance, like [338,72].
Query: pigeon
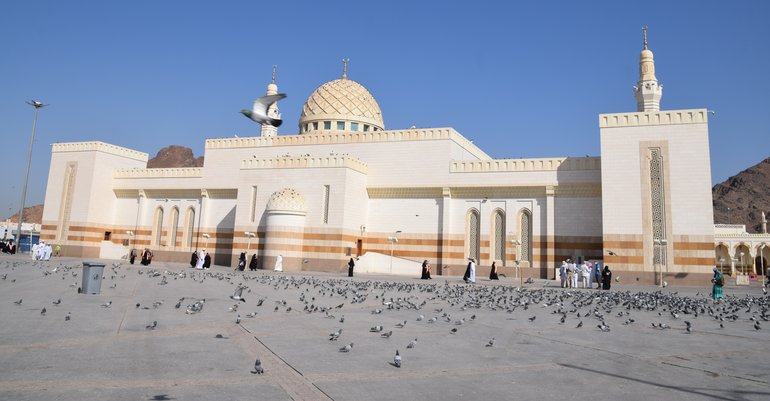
[107,304]
[665,284]
[689,327]
[237,295]
[453,331]
[397,360]
[387,335]
[376,329]
[617,279]
[532,319]
[757,326]
[42,311]
[258,369]
[419,318]
[258,112]
[402,324]
[57,302]
[251,315]
[152,325]
[334,336]
[347,348]
[579,325]
[412,343]
[17,302]
[491,342]
[238,319]
[603,327]
[68,317]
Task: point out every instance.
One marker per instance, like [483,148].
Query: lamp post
[207,239]
[721,265]
[660,245]
[743,263]
[762,264]
[393,240]
[37,105]
[130,240]
[250,235]
[516,262]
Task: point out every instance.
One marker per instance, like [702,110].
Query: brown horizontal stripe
[623,259]
[623,245]
[48,227]
[694,246]
[689,261]
[82,238]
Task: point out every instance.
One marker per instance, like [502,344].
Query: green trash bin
[92,277]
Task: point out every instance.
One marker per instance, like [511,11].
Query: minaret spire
[345,62]
[647,90]
[272,111]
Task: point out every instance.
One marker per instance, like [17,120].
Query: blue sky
[520,79]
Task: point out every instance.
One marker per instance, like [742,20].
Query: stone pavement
[107,353]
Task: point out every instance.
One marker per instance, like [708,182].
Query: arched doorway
[743,260]
[762,258]
[722,254]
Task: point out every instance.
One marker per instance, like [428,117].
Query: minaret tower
[272,111]
[647,91]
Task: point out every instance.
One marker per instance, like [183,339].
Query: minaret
[272,111]
[647,91]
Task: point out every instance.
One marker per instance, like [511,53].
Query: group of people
[43,251]
[586,273]
[201,260]
[242,262]
[7,246]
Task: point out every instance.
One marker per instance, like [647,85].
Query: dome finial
[345,62]
[272,80]
[644,32]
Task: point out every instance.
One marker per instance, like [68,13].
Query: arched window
[525,236]
[158,226]
[189,226]
[173,227]
[474,231]
[498,235]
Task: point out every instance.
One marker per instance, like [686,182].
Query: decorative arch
[173,226]
[722,255]
[189,226]
[157,228]
[498,235]
[473,233]
[525,236]
[762,258]
[743,259]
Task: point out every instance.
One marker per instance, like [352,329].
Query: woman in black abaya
[606,278]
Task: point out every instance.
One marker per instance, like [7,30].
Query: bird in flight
[259,111]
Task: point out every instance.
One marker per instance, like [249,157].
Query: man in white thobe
[201,259]
[278,264]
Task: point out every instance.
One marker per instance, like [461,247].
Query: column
[550,232]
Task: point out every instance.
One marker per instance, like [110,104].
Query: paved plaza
[107,353]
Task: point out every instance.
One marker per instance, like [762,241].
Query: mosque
[345,186]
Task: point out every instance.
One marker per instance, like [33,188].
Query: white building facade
[345,186]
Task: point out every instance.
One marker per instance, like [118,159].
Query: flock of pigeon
[450,303]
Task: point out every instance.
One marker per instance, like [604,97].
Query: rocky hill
[175,156]
[742,198]
[32,214]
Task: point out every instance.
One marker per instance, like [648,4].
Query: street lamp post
[762,264]
[130,240]
[207,239]
[250,235]
[743,263]
[516,262]
[37,105]
[393,240]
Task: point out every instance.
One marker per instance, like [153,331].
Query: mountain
[175,156]
[32,214]
[742,198]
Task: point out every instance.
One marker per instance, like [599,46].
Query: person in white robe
[472,274]
[201,259]
[278,264]
[584,273]
[575,274]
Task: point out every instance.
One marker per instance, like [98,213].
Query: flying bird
[237,295]
[258,112]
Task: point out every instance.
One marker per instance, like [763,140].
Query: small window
[340,125]
[315,126]
[366,127]
[354,126]
[327,125]
[107,235]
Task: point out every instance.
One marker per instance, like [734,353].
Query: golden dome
[338,103]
